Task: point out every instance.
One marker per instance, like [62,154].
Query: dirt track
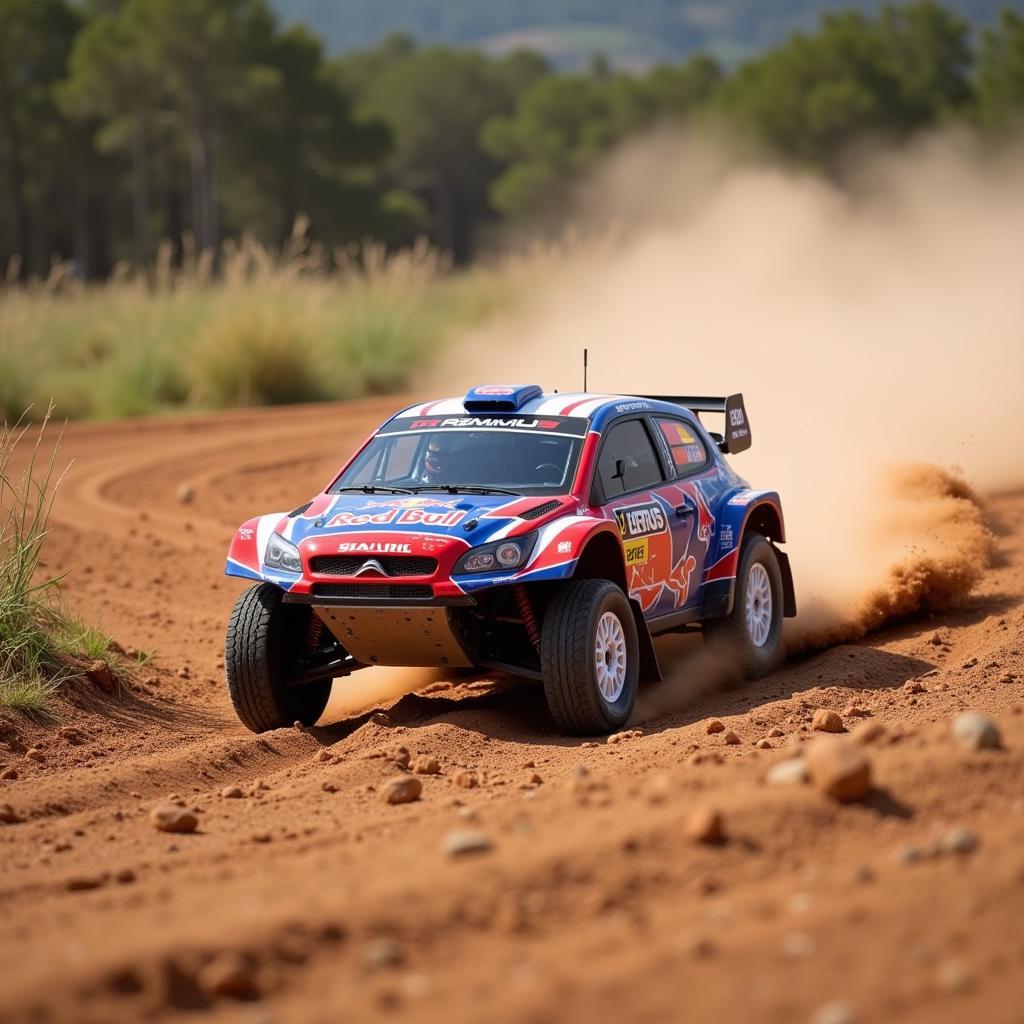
[592,905]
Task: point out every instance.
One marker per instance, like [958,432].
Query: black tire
[567,657]
[731,637]
[261,650]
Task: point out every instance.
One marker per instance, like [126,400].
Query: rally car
[550,536]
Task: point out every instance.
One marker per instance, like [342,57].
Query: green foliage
[563,125]
[854,79]
[1001,72]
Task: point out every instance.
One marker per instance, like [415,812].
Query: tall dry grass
[299,324]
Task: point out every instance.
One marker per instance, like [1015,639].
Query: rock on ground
[228,974]
[704,825]
[976,731]
[464,842]
[170,818]
[826,721]
[839,770]
[403,790]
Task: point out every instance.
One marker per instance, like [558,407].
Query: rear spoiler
[737,426]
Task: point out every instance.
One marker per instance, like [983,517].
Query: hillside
[570,31]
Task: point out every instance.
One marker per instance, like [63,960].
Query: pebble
[959,840]
[83,883]
[714,726]
[323,756]
[836,1012]
[763,744]
[826,721]
[839,770]
[70,735]
[913,686]
[400,755]
[185,494]
[791,772]
[704,825]
[731,739]
[228,974]
[976,731]
[379,718]
[383,952]
[35,754]
[99,674]
[936,640]
[704,757]
[232,793]
[775,733]
[171,818]
[953,976]
[627,734]
[465,842]
[402,790]
[9,774]
[426,765]
[466,779]
[866,733]
[798,945]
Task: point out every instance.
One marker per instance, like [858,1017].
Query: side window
[686,447]
[400,457]
[628,461]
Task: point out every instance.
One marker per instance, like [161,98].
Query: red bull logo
[705,520]
[413,503]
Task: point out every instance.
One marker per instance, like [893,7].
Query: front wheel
[590,657]
[751,635]
[265,640]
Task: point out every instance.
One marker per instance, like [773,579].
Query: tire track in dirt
[591,903]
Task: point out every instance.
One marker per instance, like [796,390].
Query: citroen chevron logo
[371,565]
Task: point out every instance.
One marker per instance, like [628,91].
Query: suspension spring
[526,612]
[314,631]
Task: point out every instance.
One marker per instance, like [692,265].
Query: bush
[40,645]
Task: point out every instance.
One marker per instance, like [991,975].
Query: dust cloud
[876,331]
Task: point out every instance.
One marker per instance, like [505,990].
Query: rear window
[685,446]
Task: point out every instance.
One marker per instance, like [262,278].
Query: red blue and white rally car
[551,536]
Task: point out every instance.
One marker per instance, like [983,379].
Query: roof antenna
[584,371]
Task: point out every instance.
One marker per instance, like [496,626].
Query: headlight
[282,554]
[497,556]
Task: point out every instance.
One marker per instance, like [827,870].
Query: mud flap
[650,671]
[788,590]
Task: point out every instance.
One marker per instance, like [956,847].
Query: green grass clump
[41,646]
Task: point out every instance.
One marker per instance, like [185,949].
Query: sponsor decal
[372,547]
[632,406]
[725,536]
[742,499]
[400,517]
[245,532]
[640,520]
[492,389]
[637,551]
[480,422]
[564,547]
[736,418]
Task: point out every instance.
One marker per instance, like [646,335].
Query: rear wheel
[589,657]
[265,641]
[751,635]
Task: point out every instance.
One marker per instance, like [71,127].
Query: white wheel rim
[610,657]
[759,605]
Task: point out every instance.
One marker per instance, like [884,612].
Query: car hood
[368,523]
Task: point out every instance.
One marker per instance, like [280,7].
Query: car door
[633,489]
[695,493]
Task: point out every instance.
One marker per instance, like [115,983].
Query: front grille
[393,565]
[540,510]
[375,591]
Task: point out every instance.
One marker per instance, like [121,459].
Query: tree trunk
[21,217]
[204,182]
[140,196]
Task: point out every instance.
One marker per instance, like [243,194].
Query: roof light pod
[500,397]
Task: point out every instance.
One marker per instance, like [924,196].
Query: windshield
[519,454]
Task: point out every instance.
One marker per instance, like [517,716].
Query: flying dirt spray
[877,334]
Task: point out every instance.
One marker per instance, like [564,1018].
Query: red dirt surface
[304,896]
